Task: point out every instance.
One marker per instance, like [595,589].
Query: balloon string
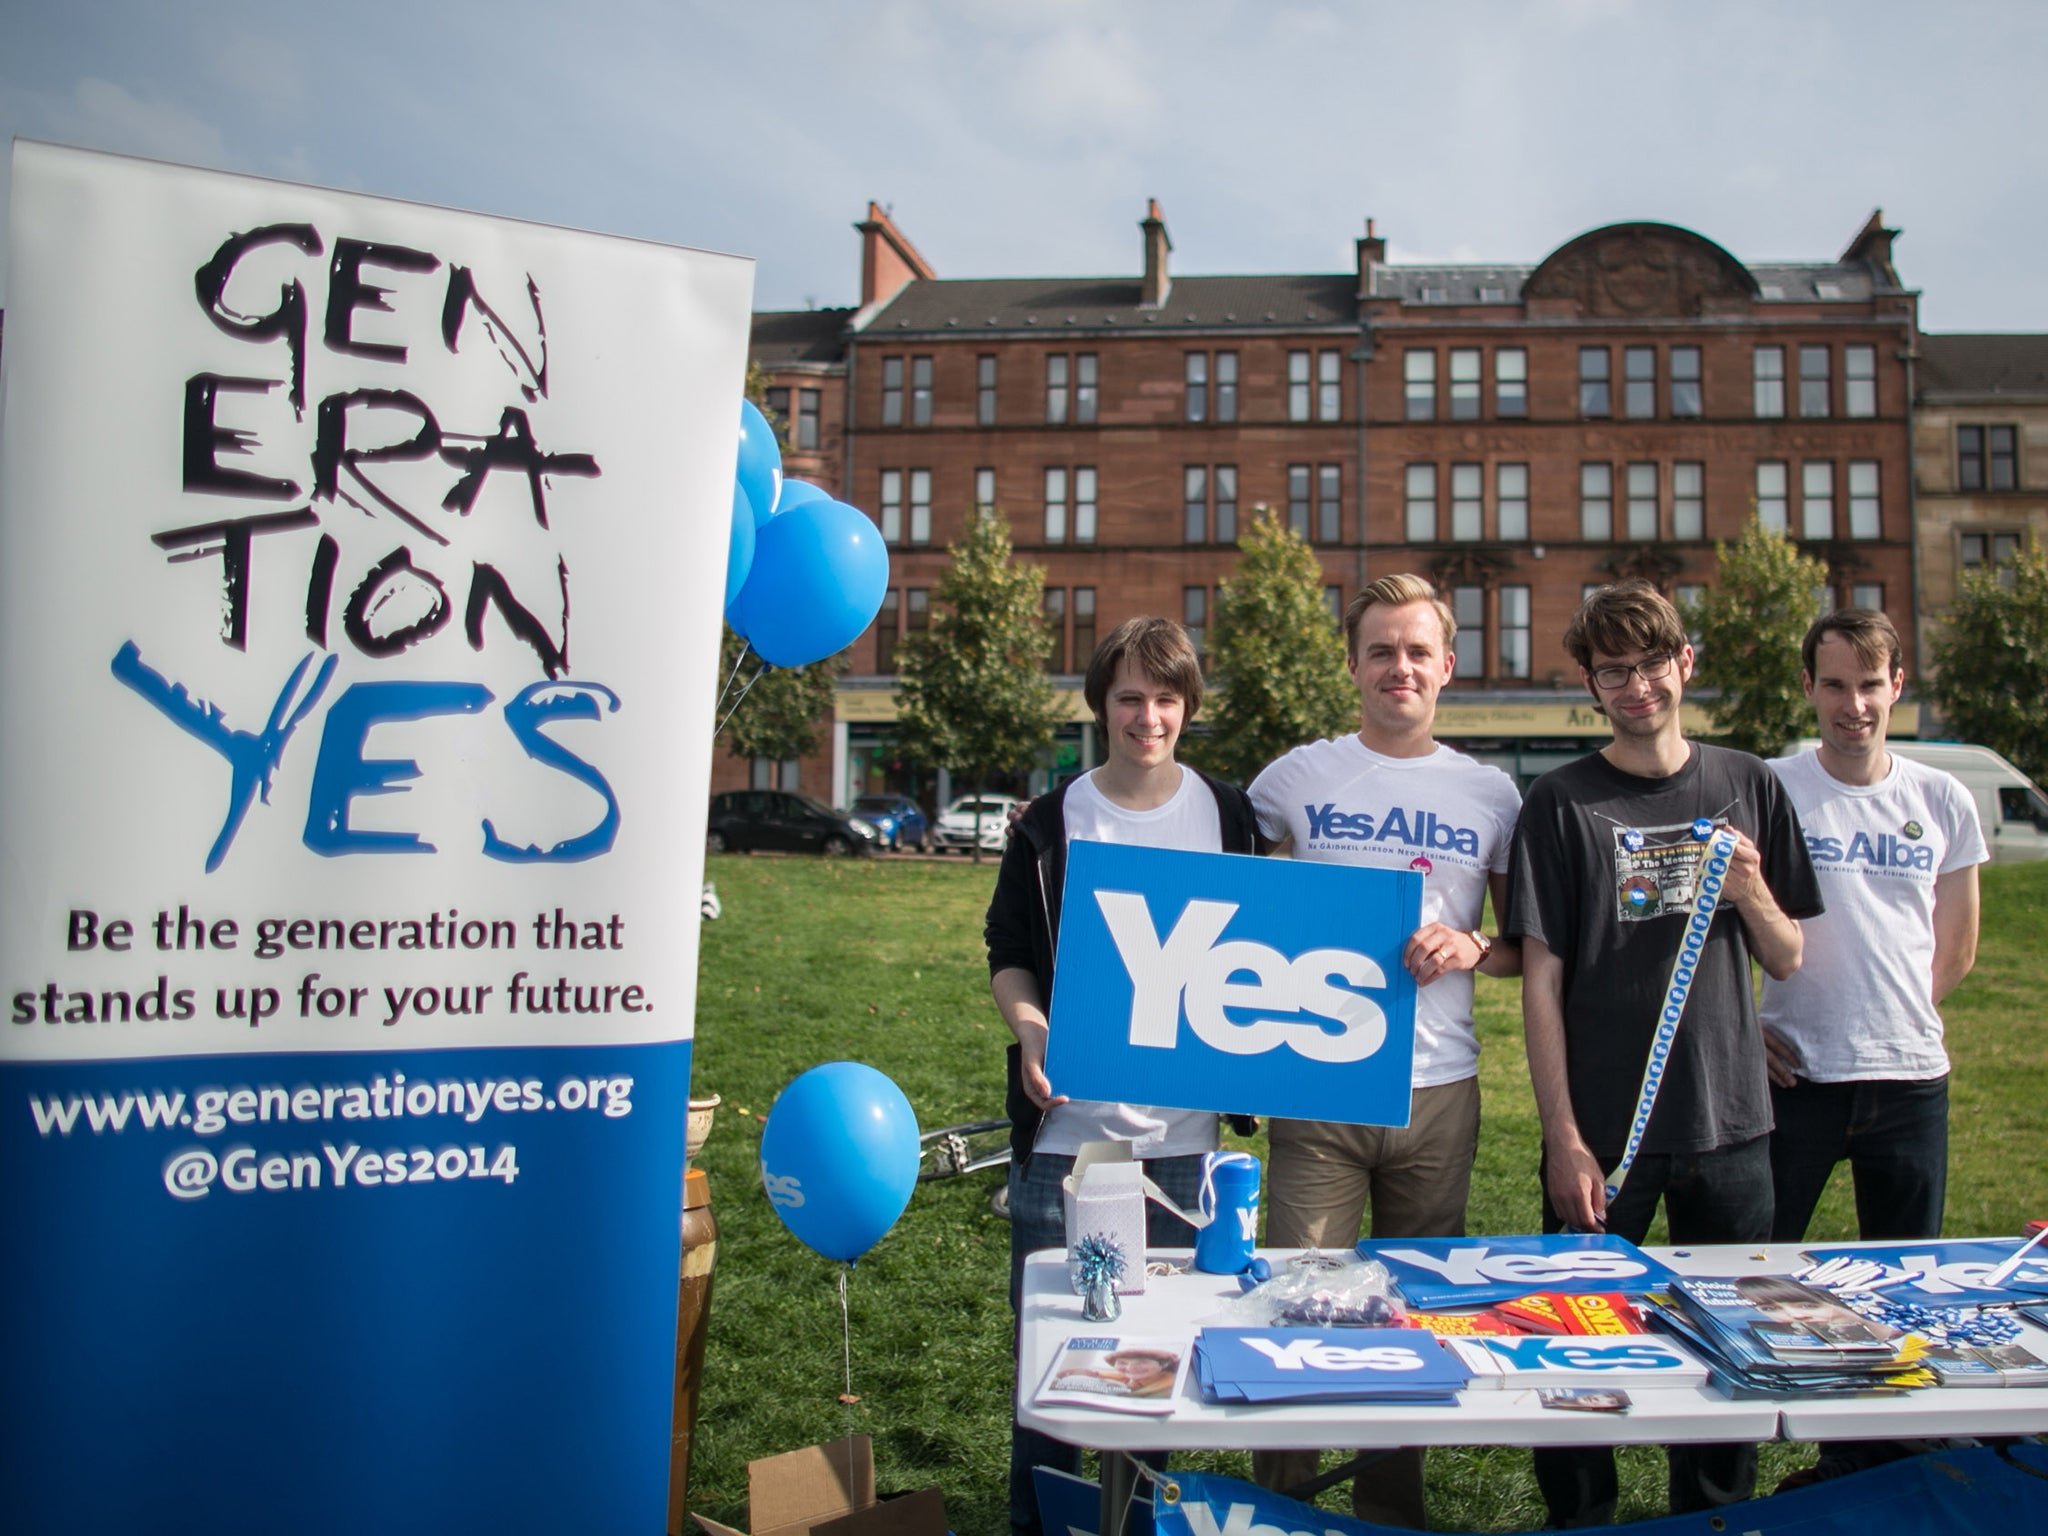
[846,1348]
[741,699]
[746,647]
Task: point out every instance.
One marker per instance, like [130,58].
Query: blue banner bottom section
[425,1291]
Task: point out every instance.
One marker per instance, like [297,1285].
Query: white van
[2009,804]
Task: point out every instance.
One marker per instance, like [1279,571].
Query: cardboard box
[829,1490]
[1105,1197]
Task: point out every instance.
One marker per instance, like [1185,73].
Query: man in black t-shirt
[1607,859]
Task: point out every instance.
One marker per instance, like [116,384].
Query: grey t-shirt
[1603,872]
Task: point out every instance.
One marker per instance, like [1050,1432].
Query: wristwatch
[1485,945]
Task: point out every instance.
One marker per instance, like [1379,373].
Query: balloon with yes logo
[839,1157]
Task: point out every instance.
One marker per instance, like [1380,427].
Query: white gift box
[1105,1197]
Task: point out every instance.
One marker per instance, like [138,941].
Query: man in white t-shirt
[1854,1036]
[1392,797]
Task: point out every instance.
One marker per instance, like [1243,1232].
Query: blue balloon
[739,552]
[820,573]
[760,462]
[839,1157]
[796,492]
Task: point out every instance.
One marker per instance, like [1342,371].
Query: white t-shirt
[1445,815]
[1861,1004]
[1189,820]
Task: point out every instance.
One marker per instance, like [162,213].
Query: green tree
[1990,654]
[1277,657]
[1749,624]
[782,713]
[972,690]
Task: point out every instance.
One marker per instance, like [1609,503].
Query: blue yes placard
[1439,1272]
[1220,981]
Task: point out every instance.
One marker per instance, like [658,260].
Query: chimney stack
[1372,252]
[888,261]
[1158,245]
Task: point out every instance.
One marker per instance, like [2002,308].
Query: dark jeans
[1894,1134]
[1722,1196]
[1038,1219]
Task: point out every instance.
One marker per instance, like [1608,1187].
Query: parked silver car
[956,830]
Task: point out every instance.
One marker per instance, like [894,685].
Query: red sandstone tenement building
[1516,433]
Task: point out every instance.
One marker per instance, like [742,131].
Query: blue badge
[1637,896]
[1702,829]
[1632,840]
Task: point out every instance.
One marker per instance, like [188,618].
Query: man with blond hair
[1390,796]
[1609,862]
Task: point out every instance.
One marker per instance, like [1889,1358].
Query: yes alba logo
[1237,995]
[1872,850]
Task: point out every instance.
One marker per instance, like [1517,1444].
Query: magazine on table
[1637,1360]
[1119,1373]
[1987,1365]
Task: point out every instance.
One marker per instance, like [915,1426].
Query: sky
[1017,138]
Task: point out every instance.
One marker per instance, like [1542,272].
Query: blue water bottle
[1230,1199]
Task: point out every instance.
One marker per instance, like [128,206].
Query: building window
[1418,375]
[1297,386]
[1297,497]
[1639,381]
[1593,382]
[1642,502]
[1333,602]
[1688,501]
[892,391]
[1859,381]
[920,506]
[1084,626]
[1987,458]
[1817,499]
[1194,495]
[1468,607]
[1596,501]
[1464,383]
[886,622]
[807,420]
[1867,594]
[1767,373]
[1514,632]
[778,407]
[1993,549]
[1686,597]
[1055,602]
[1056,387]
[1468,502]
[1685,381]
[1084,505]
[1814,387]
[1511,501]
[1226,386]
[1194,617]
[917,610]
[892,506]
[1421,502]
[1773,498]
[1085,391]
[985,390]
[1511,381]
[985,489]
[1055,506]
[1329,386]
[920,391]
[1197,373]
[1329,503]
[1226,503]
[1866,513]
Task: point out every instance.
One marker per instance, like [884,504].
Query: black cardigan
[1024,914]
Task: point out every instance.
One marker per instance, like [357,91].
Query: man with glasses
[1609,858]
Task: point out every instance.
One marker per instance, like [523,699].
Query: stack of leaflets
[1326,1365]
[1121,1373]
[1987,1365]
[1449,1273]
[1640,1360]
[1765,1335]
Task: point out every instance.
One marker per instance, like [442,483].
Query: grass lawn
[881,961]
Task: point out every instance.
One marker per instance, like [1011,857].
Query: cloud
[99,114]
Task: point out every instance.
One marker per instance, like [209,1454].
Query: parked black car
[776,819]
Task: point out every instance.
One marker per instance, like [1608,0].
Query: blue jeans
[1038,1219]
[1722,1196]
[1894,1134]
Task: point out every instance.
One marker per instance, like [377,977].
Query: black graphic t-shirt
[1604,870]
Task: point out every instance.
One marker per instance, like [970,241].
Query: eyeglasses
[1649,669]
